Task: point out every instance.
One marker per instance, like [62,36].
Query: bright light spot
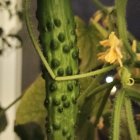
[113,91]
[109,79]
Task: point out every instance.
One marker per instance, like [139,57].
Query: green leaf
[86,86]
[35,132]
[88,113]
[87,41]
[3,120]
[31,108]
[86,132]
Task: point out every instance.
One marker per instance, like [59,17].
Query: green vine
[102,105]
[116,118]
[130,119]
[122,25]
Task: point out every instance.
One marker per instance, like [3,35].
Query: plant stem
[122,25]
[102,105]
[84,75]
[100,5]
[100,28]
[13,103]
[10,105]
[130,119]
[99,88]
[115,134]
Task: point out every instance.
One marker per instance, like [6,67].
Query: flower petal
[105,43]
[112,54]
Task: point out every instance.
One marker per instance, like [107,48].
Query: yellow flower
[113,53]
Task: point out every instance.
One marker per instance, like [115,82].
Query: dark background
[83,8]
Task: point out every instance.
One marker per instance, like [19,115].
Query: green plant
[59,54]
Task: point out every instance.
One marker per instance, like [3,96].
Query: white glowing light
[109,79]
[113,90]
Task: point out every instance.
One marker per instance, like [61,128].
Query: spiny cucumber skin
[57,37]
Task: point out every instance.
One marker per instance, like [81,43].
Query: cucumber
[58,41]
